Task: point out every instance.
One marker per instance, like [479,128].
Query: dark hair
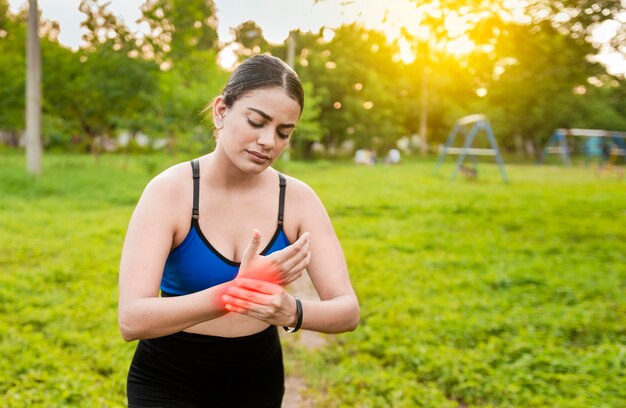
[262,71]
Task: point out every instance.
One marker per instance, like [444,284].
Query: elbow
[355,318]
[128,330]
[127,334]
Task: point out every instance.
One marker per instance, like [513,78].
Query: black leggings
[194,370]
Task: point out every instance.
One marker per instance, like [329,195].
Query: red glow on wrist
[268,273]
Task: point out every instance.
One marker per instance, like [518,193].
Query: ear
[219,109]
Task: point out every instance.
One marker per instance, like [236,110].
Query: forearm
[152,317]
[337,315]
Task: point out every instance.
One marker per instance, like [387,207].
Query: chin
[252,168]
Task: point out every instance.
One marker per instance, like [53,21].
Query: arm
[337,310]
[142,313]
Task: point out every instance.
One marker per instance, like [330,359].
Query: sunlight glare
[328,34]
[406,55]
[455,25]
[227,57]
[460,46]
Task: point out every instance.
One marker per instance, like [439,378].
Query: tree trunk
[424,114]
[519,144]
[96,144]
[33,93]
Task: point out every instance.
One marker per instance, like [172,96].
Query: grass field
[473,293]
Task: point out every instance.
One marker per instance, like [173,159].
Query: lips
[258,156]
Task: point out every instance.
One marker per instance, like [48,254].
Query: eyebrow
[268,117]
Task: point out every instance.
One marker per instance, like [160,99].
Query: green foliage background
[534,74]
[472,293]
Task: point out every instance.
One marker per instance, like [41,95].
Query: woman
[220,239]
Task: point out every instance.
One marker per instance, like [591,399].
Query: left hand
[262,300]
[281,267]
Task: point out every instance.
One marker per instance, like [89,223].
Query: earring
[219,124]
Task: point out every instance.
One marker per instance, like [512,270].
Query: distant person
[219,239]
[393,157]
[606,151]
[365,156]
[372,157]
[361,156]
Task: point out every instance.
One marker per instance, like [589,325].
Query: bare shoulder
[170,183]
[168,195]
[299,188]
[304,210]
[300,192]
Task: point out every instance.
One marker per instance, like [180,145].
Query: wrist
[298,319]
[294,317]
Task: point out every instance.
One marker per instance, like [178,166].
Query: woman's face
[257,128]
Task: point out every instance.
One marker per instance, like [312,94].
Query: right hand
[280,267]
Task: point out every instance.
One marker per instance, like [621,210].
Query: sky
[277,17]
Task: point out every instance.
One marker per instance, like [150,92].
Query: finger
[235,309]
[258,285]
[300,267]
[303,264]
[246,312]
[302,239]
[296,270]
[253,247]
[240,306]
[293,278]
[297,258]
[235,301]
[234,304]
[247,295]
[292,249]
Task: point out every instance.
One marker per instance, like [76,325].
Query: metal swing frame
[478,122]
[557,144]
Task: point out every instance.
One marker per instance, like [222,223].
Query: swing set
[468,127]
[608,144]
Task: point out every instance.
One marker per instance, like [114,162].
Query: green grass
[473,293]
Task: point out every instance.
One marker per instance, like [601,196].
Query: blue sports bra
[195,264]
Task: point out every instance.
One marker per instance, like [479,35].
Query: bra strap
[281,198]
[195,166]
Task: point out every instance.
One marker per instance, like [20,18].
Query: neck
[220,171]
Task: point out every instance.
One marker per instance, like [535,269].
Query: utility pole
[33,92]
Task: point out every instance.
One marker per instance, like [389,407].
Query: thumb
[253,247]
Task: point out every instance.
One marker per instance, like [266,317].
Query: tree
[539,68]
[33,92]
[13,30]
[107,82]
[494,26]
[250,40]
[183,41]
[356,81]
[183,92]
[600,104]
[55,130]
[178,28]
[309,129]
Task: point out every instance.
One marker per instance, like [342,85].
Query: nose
[266,138]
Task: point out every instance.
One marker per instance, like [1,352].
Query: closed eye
[260,125]
[255,124]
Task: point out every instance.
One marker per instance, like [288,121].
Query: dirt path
[294,385]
